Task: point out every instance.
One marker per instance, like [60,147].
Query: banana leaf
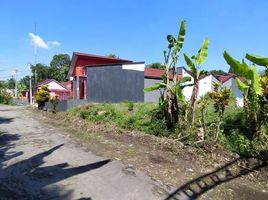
[156,86]
[202,53]
[242,86]
[259,60]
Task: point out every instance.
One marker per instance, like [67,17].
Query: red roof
[83,60]
[157,73]
[224,78]
[154,73]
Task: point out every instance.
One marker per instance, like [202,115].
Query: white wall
[135,66]
[187,91]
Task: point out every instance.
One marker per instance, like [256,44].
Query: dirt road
[39,162]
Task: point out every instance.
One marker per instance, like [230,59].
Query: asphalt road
[38,161]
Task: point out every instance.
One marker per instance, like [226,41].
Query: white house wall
[187,91]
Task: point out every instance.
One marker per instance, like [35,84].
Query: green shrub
[130,106]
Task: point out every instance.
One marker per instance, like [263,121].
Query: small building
[151,77]
[106,79]
[55,88]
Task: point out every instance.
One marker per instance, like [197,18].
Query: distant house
[106,79]
[152,76]
[55,88]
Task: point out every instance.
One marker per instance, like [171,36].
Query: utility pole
[35,57]
[16,85]
[30,82]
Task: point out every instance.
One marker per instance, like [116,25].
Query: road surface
[38,161]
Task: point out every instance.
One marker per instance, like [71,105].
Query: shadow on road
[4,120]
[232,170]
[27,179]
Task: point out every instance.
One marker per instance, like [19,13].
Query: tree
[42,96]
[255,100]
[221,97]
[194,65]
[25,81]
[156,65]
[218,72]
[59,67]
[40,73]
[10,84]
[112,55]
[173,90]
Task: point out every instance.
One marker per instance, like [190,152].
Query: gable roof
[224,78]
[46,82]
[92,59]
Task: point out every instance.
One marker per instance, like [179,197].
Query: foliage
[194,65]
[217,72]
[172,91]
[59,67]
[54,101]
[156,65]
[220,97]
[25,81]
[10,84]
[130,105]
[112,55]
[42,96]
[40,73]
[254,88]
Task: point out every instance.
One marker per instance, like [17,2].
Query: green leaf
[238,68]
[156,86]
[256,81]
[190,63]
[259,60]
[242,86]
[171,39]
[185,79]
[181,35]
[202,53]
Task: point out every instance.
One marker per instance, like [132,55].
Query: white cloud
[53,43]
[40,42]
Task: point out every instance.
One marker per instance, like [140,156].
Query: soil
[174,166]
[102,161]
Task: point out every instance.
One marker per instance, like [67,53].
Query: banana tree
[172,90]
[251,88]
[194,65]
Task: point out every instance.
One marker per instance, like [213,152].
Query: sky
[131,29]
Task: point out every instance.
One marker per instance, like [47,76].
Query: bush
[42,96]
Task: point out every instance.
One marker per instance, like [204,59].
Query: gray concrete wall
[113,84]
[154,95]
[64,105]
[19,101]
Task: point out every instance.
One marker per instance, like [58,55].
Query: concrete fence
[20,101]
[64,105]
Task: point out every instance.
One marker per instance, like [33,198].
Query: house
[105,79]
[152,76]
[55,88]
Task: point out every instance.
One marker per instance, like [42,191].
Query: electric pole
[30,82]
[16,85]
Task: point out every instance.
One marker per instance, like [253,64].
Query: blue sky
[132,29]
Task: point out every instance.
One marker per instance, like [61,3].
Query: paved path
[39,162]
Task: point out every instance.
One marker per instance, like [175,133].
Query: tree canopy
[156,65]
